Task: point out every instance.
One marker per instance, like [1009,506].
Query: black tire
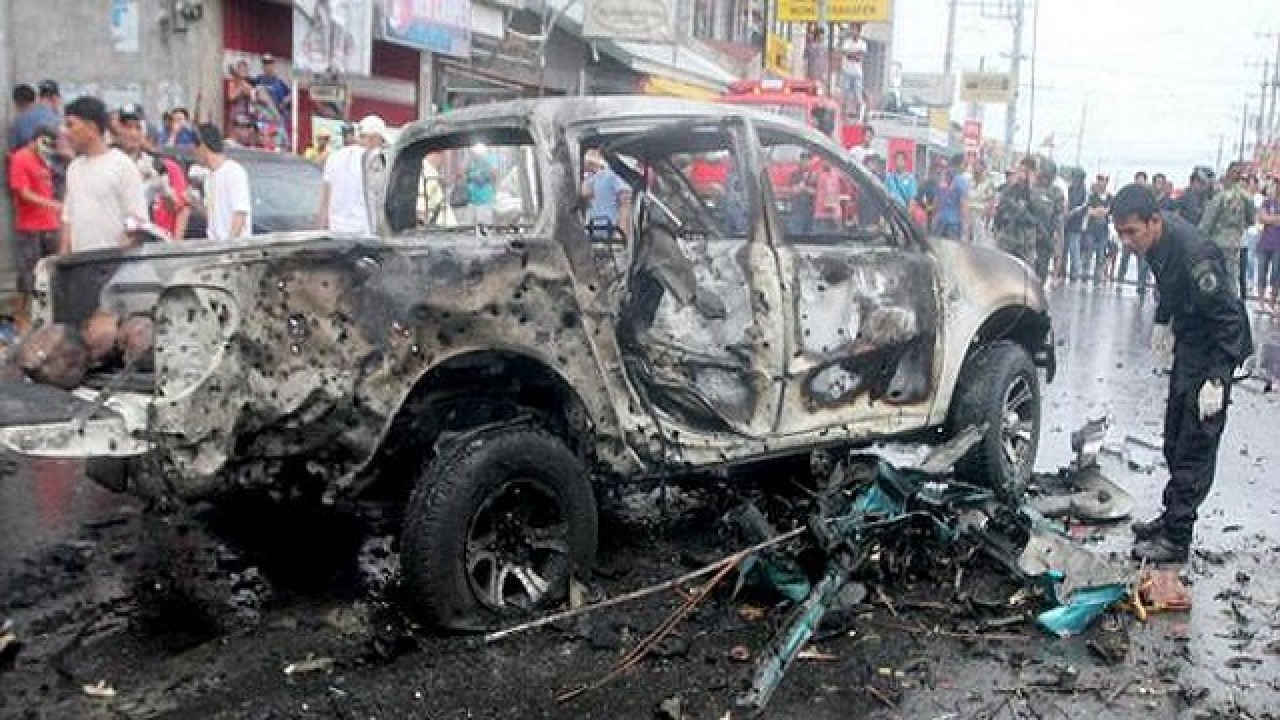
[994,376]
[507,508]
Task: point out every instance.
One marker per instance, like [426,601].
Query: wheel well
[1019,324]
[476,389]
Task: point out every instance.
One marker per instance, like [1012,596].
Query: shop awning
[674,62]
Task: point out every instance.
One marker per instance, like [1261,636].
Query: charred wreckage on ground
[496,367]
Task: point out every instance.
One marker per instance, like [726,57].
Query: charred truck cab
[492,359]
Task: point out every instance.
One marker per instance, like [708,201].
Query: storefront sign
[777,55]
[927,89]
[838,11]
[334,93]
[336,38]
[904,146]
[993,88]
[652,21]
[438,26]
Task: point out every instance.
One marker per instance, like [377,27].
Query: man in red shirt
[36,209]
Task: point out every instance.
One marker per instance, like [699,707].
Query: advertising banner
[336,38]
[437,26]
[650,21]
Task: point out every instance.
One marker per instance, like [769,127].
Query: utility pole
[1084,111]
[948,56]
[1275,93]
[1264,128]
[1221,139]
[1015,64]
[1244,125]
[1035,43]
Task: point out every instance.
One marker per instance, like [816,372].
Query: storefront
[510,59]
[391,88]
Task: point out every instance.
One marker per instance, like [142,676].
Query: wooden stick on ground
[716,566]
[880,696]
[649,642]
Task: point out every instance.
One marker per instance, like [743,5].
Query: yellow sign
[994,88]
[940,119]
[777,55]
[857,11]
[658,85]
[838,11]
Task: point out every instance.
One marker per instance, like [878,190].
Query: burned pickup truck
[494,359]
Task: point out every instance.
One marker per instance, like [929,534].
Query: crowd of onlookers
[1066,220]
[82,177]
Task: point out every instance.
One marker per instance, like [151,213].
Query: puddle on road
[44,502]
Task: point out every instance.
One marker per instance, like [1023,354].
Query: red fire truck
[800,100]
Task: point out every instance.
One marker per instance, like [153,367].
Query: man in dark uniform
[1206,325]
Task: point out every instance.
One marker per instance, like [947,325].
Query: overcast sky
[1163,79]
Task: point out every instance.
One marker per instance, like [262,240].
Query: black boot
[1160,550]
[1149,529]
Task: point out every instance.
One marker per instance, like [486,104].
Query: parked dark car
[285,190]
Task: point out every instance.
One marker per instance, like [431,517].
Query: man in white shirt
[227,198]
[104,187]
[342,202]
[852,50]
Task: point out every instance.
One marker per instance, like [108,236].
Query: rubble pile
[867,521]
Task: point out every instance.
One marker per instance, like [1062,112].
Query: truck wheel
[495,526]
[999,386]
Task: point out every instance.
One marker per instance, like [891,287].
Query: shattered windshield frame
[481,180]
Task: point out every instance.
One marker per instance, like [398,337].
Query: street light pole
[1015,63]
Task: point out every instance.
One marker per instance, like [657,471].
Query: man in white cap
[342,203]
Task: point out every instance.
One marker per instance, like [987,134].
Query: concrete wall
[8,258]
[166,69]
[71,41]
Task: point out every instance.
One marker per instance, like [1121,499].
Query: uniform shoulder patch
[1205,277]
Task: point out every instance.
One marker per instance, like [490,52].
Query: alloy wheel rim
[517,546]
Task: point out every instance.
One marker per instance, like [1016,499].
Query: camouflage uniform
[1019,215]
[1050,205]
[1227,215]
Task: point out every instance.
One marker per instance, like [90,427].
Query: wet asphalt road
[1104,369]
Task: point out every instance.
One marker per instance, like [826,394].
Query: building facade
[163,54]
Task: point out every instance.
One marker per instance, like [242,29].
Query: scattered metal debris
[10,645]
[99,689]
[310,665]
[1164,591]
